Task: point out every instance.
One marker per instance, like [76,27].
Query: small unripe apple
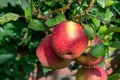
[69,39]
[96,73]
[86,58]
[48,57]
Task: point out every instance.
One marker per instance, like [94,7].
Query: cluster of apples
[68,42]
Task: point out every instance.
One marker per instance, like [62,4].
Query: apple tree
[24,24]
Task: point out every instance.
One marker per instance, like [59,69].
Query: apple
[86,58]
[96,73]
[48,57]
[69,39]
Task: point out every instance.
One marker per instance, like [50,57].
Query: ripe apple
[96,73]
[69,39]
[86,58]
[48,57]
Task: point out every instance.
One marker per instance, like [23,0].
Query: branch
[86,10]
[62,9]
[24,38]
[90,6]
[40,16]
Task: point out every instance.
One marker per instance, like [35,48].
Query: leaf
[89,31]
[36,25]
[54,21]
[99,50]
[96,22]
[102,3]
[112,29]
[5,57]
[111,3]
[1,34]
[23,3]
[115,44]
[4,3]
[102,29]
[117,8]
[28,12]
[7,52]
[46,70]
[108,15]
[9,29]
[8,17]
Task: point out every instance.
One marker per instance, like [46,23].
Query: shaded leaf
[117,8]
[5,57]
[112,29]
[115,44]
[1,34]
[22,3]
[54,21]
[8,17]
[89,31]
[99,50]
[7,52]
[36,25]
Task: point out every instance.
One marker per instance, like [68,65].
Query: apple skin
[86,58]
[89,60]
[48,57]
[96,73]
[69,39]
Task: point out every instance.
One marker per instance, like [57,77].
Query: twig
[40,16]
[90,6]
[22,41]
[86,11]
[62,9]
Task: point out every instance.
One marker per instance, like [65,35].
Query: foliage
[24,23]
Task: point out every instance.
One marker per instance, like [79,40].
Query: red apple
[48,57]
[86,58]
[69,39]
[96,73]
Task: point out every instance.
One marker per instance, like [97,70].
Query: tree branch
[85,11]
[40,16]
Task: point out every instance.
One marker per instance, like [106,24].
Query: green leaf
[7,52]
[110,3]
[1,34]
[36,25]
[102,29]
[54,21]
[115,44]
[46,70]
[5,57]
[102,3]
[8,49]
[117,8]
[99,50]
[112,29]
[89,31]
[8,17]
[96,22]
[4,3]
[28,12]
[108,15]
[9,29]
